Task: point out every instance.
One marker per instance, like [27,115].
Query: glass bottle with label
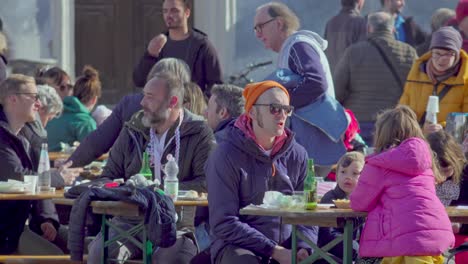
[310,187]
[145,168]
[43,181]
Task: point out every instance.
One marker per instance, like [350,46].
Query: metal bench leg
[105,237]
[348,242]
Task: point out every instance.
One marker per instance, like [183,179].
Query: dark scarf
[440,76]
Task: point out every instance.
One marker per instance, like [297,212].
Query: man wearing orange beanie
[258,155]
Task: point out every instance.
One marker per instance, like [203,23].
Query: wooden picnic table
[32,196]
[62,155]
[329,217]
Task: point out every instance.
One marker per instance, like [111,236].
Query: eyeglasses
[437,55]
[35,96]
[276,109]
[258,28]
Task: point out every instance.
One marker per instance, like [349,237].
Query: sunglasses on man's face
[275,109]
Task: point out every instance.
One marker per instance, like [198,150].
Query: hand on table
[69,174]
[48,231]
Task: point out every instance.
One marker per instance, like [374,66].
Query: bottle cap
[433,104]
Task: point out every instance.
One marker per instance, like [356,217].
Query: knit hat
[462,10]
[253,90]
[447,38]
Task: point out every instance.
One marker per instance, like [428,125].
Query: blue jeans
[202,234]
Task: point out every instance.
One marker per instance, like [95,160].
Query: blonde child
[406,223]
[347,174]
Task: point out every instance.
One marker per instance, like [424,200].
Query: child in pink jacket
[406,223]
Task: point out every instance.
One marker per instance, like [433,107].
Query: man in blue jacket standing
[258,155]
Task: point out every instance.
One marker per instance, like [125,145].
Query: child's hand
[456,228]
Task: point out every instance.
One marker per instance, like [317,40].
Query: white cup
[433,104]
[31,183]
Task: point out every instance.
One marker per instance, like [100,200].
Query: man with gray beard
[163,127]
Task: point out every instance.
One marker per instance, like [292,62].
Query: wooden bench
[10,259]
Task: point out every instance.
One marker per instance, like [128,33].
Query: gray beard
[151,121]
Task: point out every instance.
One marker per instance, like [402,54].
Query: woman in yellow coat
[443,71]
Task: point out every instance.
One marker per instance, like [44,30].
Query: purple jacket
[238,174]
[397,188]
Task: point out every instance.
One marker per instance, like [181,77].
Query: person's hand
[156,44]
[59,162]
[282,255]
[69,174]
[456,228]
[431,128]
[302,254]
[48,231]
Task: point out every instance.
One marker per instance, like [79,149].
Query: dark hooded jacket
[238,174]
[197,51]
[14,163]
[196,142]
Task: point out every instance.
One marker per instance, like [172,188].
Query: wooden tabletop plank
[326,216]
[62,155]
[31,196]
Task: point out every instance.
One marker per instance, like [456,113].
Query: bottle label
[171,189]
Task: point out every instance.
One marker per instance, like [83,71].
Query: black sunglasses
[35,95]
[276,109]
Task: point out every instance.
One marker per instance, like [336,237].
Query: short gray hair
[277,9]
[50,100]
[173,85]
[230,97]
[440,18]
[381,21]
[177,67]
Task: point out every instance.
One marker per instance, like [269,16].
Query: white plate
[325,206]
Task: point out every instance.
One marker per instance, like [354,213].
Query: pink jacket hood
[397,188]
[410,158]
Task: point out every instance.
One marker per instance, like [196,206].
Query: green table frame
[116,208]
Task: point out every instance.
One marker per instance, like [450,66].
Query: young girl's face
[347,178]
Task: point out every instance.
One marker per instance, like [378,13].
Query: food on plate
[191,194]
[342,203]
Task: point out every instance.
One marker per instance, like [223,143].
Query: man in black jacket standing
[189,45]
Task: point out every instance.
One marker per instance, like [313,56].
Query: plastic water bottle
[43,181]
[171,182]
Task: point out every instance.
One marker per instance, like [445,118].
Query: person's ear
[223,113]
[173,101]
[280,24]
[187,12]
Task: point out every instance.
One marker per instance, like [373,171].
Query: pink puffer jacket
[397,188]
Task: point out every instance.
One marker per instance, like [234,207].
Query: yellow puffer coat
[419,87]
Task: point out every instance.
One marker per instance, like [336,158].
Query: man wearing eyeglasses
[18,105]
[257,155]
[303,69]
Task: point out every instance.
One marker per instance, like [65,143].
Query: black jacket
[200,56]
[414,34]
[14,163]
[159,215]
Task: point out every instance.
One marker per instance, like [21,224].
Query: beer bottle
[145,167]
[310,187]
